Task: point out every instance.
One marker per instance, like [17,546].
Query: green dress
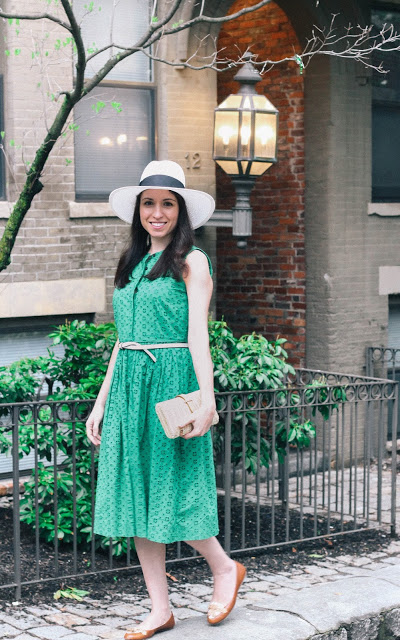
[149,485]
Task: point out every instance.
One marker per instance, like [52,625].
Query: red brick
[275,252]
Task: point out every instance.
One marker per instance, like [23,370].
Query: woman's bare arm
[96,416]
[199,286]
[105,387]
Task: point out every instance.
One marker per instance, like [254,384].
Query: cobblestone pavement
[304,602]
[110,617]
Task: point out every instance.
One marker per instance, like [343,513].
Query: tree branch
[80,49]
[32,185]
[37,16]
[201,19]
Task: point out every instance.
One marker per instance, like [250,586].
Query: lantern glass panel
[262,103]
[244,164]
[230,168]
[245,135]
[258,168]
[232,102]
[265,135]
[226,134]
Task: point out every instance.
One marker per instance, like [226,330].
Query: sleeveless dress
[149,485]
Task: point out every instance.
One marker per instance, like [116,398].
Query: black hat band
[161,181]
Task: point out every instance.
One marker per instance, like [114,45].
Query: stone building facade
[322,263]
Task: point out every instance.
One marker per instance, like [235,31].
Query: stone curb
[384,626]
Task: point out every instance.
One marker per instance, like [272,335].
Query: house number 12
[193,160]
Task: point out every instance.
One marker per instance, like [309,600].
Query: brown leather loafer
[140,634]
[217,611]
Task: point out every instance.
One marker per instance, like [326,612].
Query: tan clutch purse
[172,413]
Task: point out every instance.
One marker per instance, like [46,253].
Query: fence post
[394,459]
[368,362]
[227,475]
[16,520]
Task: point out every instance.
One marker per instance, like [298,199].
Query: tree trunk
[32,185]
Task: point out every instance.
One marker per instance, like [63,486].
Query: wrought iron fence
[384,362]
[292,464]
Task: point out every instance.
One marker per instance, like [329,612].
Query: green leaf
[154,19]
[98,106]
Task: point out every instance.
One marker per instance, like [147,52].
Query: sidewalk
[338,598]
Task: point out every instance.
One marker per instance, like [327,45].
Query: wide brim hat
[163,174]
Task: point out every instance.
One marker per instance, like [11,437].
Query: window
[116,135]
[386,115]
[2,167]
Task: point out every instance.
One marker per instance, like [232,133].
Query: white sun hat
[164,174]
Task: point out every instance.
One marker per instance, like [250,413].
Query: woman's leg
[152,559]
[222,566]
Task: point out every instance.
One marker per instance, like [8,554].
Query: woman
[150,487]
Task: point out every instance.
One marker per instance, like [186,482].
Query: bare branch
[356,44]
[36,16]
[202,19]
[80,49]
[156,32]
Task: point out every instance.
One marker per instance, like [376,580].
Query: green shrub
[247,364]
[20,381]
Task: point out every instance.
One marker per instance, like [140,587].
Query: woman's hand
[93,424]
[201,421]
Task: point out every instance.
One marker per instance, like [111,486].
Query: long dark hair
[172,260]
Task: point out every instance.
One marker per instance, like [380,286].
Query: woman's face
[159,211]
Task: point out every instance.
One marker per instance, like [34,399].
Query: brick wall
[262,288]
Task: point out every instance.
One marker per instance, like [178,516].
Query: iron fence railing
[277,483]
[384,362]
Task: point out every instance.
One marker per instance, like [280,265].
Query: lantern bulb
[225,133]
[265,134]
[245,135]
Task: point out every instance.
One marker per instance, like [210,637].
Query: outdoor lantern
[245,142]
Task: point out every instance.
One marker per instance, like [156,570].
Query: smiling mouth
[157,225]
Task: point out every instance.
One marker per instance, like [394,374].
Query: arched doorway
[262,288]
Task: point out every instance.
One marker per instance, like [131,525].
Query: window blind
[111,149]
[25,344]
[120,22]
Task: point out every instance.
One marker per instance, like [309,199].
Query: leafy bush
[87,350]
[247,364]
[20,381]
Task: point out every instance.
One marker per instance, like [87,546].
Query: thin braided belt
[145,347]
